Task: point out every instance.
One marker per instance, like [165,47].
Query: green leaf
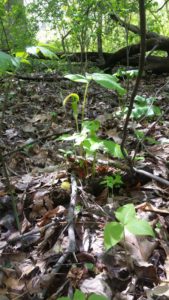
[109,82]
[47,53]
[108,181]
[139,227]
[112,148]
[113,234]
[92,144]
[89,266]
[77,78]
[35,50]
[7,62]
[67,137]
[91,126]
[139,134]
[125,213]
[78,295]
[48,46]
[32,50]
[97,297]
[117,180]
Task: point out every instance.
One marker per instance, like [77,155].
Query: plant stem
[84,101]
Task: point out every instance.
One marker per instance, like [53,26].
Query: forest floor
[62,206]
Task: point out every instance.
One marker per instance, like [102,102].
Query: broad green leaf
[125,213]
[32,50]
[128,73]
[151,141]
[91,126]
[97,297]
[77,137]
[147,110]
[89,266]
[88,76]
[140,99]
[144,107]
[16,62]
[112,148]
[7,62]
[117,151]
[113,234]
[139,134]
[139,227]
[35,50]
[80,137]
[47,53]
[48,46]
[63,298]
[155,111]
[108,82]
[139,111]
[92,144]
[68,137]
[21,54]
[78,295]
[77,78]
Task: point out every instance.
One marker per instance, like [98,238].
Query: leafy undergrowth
[63,206]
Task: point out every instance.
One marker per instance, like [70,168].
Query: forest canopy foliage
[72,26]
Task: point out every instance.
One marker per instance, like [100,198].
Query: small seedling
[143,107]
[129,74]
[105,80]
[143,138]
[112,181]
[114,232]
[89,144]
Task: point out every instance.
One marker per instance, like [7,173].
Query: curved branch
[140,71]
[133,28]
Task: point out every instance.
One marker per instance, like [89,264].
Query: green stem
[84,101]
[77,126]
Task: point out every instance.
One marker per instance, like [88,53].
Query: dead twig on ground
[71,232]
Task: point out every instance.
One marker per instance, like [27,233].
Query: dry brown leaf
[75,275]
[56,212]
[149,207]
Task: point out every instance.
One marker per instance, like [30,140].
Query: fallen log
[130,54]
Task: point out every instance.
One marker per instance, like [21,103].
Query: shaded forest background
[90,29]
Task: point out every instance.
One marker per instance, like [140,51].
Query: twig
[140,71]
[37,231]
[61,288]
[162,5]
[71,232]
[124,167]
[56,134]
[152,176]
